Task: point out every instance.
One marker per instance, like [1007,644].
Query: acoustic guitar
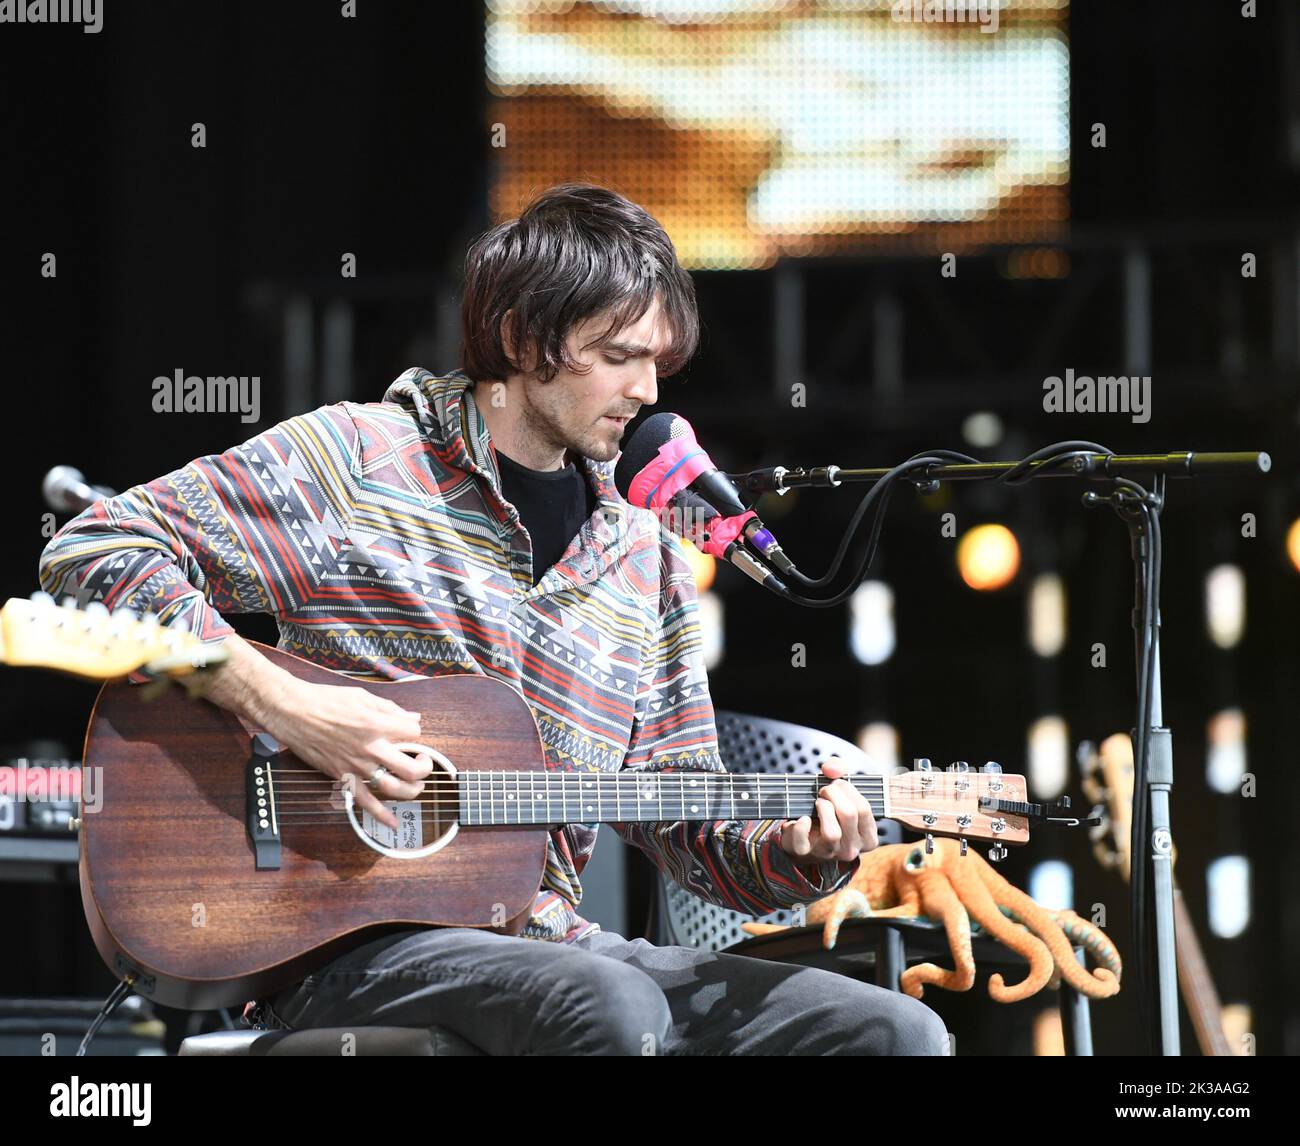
[219,868]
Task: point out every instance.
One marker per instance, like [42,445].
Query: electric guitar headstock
[1108,781]
[92,642]
[1107,772]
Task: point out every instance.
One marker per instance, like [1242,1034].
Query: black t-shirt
[552,505]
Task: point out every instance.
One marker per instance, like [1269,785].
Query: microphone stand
[1153,756]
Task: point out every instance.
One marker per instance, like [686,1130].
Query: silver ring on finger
[375,777]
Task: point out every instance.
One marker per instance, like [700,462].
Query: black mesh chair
[877,950]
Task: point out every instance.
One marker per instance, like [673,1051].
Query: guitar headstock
[1108,780]
[976,805]
[93,642]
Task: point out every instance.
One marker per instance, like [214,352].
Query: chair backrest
[751,744]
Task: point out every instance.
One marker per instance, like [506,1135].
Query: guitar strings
[487,785]
[439,797]
[437,808]
[338,819]
[446,789]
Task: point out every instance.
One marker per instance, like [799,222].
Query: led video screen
[757,129]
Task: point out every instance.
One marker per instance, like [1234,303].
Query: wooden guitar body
[171,890]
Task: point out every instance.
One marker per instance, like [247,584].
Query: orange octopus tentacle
[1108,975]
[980,904]
[1083,931]
[848,902]
[763,928]
[939,901]
[1100,983]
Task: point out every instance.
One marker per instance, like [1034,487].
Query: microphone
[65,490]
[663,459]
[688,515]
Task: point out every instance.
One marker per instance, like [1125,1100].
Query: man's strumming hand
[340,730]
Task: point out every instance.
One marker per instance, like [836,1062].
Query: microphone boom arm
[1079,464]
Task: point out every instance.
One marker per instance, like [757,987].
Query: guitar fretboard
[494,798]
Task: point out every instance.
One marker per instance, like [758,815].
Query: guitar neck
[497,798]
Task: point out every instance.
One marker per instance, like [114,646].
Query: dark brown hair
[576,251]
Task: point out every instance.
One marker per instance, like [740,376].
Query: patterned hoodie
[377,536]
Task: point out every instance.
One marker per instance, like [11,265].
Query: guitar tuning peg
[929,844]
[40,597]
[921,764]
[963,845]
[96,609]
[959,766]
[997,853]
[992,767]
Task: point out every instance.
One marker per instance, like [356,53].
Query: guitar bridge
[259,799]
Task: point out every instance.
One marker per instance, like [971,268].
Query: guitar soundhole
[432,817]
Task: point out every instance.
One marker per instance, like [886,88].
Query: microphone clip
[755,483]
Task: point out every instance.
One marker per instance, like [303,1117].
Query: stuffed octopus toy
[903,881]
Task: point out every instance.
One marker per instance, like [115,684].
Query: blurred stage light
[879,740]
[1043,263]
[1225,752]
[1293,543]
[1228,883]
[983,430]
[1049,756]
[1051,883]
[1047,615]
[871,623]
[704,568]
[1225,604]
[988,556]
[713,636]
[1049,1038]
[1237,1025]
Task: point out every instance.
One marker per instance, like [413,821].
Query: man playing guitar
[469,523]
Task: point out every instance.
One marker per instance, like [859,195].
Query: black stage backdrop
[370,136]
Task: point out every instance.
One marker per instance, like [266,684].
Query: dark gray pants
[606,995]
